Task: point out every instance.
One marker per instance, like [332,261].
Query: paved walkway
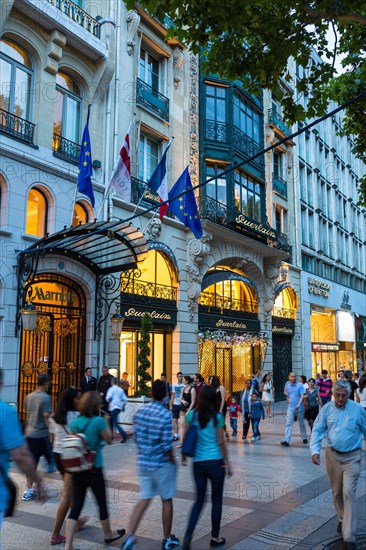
[276,499]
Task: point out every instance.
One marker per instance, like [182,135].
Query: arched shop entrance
[151,289]
[229,343]
[56,346]
[283,329]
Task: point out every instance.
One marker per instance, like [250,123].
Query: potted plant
[143,376]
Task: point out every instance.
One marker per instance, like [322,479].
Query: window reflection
[16,74]
[67,108]
[80,216]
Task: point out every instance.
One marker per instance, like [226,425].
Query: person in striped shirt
[325,386]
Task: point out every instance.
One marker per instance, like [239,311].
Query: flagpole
[109,184]
[76,187]
[146,186]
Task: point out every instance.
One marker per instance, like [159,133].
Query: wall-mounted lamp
[117,324]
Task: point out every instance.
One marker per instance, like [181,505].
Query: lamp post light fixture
[29,316]
[117,324]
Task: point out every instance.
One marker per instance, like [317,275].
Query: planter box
[134,404]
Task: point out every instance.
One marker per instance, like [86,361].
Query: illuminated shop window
[36,220]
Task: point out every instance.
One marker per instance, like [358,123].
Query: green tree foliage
[143,377]
[252,41]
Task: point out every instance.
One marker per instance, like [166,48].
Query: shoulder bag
[12,491]
[190,440]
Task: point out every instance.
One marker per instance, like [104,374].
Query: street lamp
[29,314]
[117,324]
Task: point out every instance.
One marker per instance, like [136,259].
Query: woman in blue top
[97,431]
[210,462]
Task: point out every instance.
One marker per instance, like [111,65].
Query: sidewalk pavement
[275,499]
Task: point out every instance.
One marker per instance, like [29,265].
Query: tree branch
[354,17]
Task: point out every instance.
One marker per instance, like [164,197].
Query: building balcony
[82,31]
[142,194]
[16,127]
[229,217]
[277,121]
[284,313]
[147,289]
[152,100]
[65,149]
[225,133]
[216,131]
[212,301]
[279,185]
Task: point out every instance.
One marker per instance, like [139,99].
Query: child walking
[234,409]
[256,412]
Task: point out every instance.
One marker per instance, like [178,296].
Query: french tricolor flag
[121,178]
[159,183]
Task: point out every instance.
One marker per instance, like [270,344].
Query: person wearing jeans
[256,413]
[117,400]
[209,463]
[245,399]
[294,392]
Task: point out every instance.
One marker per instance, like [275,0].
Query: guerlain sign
[258,227]
[132,312]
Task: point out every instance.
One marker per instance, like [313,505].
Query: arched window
[80,216]
[36,221]
[3,200]
[285,304]
[67,108]
[16,77]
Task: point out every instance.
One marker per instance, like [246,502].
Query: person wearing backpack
[66,411]
[97,430]
[210,462]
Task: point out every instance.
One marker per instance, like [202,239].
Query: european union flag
[185,208]
[85,164]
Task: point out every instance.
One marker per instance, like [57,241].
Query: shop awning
[103,247]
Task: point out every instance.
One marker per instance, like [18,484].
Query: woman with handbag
[210,462]
[267,390]
[66,412]
[187,399]
[97,431]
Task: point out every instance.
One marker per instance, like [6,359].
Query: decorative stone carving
[54,50]
[290,157]
[133,20]
[271,272]
[178,59]
[194,118]
[284,273]
[153,230]
[197,249]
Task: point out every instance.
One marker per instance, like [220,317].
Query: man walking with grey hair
[117,400]
[344,422]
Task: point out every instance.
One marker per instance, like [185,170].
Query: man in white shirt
[116,398]
[344,422]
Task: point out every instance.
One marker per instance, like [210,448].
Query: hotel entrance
[56,346]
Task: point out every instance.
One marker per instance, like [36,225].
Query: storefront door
[56,346]
[282,363]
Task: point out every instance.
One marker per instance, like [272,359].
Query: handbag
[12,492]
[190,440]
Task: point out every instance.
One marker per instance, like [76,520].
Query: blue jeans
[234,425]
[326,400]
[214,471]
[255,427]
[113,421]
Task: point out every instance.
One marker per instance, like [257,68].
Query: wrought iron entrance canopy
[103,247]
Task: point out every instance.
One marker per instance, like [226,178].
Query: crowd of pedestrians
[175,410]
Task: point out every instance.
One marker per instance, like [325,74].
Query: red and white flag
[121,178]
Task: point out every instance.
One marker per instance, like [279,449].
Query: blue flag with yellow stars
[85,165]
[185,208]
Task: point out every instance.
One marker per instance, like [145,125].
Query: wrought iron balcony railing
[216,131]
[222,132]
[279,185]
[142,194]
[74,12]
[277,120]
[148,289]
[17,127]
[284,313]
[65,149]
[223,303]
[222,214]
[152,100]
